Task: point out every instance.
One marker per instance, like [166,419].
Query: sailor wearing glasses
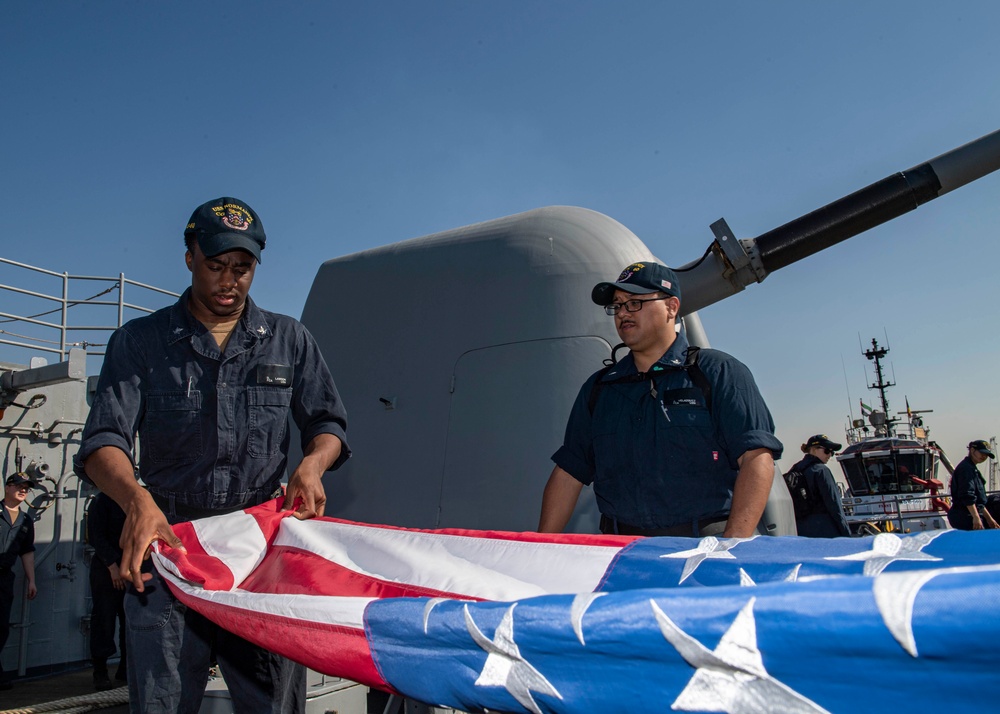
[675,441]
[826,518]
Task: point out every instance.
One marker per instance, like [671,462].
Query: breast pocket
[268,419]
[686,419]
[700,468]
[173,427]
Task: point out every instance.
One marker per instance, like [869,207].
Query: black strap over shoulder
[691,357]
[697,376]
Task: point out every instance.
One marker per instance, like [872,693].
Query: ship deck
[75,688]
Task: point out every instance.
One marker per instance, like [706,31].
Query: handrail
[55,335]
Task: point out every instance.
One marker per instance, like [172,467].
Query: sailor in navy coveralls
[17,539]
[208,384]
[665,454]
[968,491]
[825,518]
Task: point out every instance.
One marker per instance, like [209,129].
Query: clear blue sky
[353,125]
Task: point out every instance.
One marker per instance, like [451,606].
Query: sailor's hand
[144,524]
[307,481]
[116,576]
[307,484]
[977,522]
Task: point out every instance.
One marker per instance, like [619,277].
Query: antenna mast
[875,354]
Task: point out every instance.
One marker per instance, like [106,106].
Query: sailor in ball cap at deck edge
[673,445]
[825,518]
[208,384]
[968,491]
[17,538]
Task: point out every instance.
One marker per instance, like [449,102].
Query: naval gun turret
[459,354]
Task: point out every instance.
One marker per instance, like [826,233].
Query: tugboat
[891,466]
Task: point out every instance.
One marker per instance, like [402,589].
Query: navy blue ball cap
[226,224]
[983,447]
[824,441]
[639,279]
[20,478]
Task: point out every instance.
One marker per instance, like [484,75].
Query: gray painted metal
[967,163]
[459,356]
[39,434]
[12,382]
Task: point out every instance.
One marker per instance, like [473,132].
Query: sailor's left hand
[305,484]
[307,481]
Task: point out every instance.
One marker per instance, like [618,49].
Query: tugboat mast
[875,354]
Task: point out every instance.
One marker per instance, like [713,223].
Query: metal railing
[899,509]
[57,337]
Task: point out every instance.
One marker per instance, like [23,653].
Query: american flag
[526,622]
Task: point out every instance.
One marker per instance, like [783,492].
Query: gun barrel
[880,202]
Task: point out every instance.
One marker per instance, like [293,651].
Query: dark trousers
[108,609]
[960,518]
[6,604]
[171,647]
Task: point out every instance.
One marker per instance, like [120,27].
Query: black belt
[612,526]
[179,512]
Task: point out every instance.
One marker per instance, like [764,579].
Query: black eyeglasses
[631,305]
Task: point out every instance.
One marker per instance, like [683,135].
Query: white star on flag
[505,667]
[708,548]
[581,603]
[895,594]
[888,547]
[731,678]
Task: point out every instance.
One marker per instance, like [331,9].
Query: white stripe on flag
[235,539]
[463,565]
[345,611]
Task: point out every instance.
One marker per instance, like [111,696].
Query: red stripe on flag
[196,565]
[313,644]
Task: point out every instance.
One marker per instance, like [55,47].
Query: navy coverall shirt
[656,455]
[827,519]
[968,487]
[17,538]
[212,427]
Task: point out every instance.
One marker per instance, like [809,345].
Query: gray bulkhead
[39,434]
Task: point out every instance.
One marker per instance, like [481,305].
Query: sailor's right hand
[144,524]
[977,522]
